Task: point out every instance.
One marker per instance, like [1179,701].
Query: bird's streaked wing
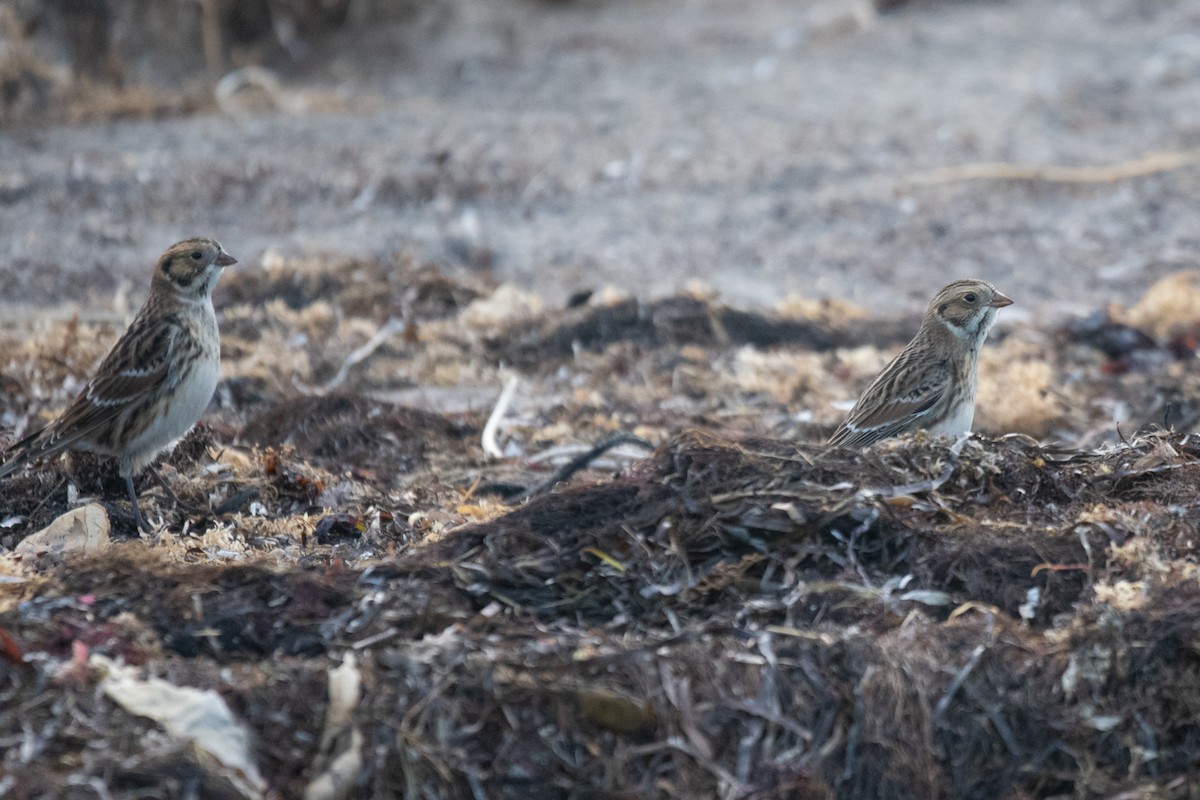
[904,397]
[140,366]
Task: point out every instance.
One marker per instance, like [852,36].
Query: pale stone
[506,304]
[80,530]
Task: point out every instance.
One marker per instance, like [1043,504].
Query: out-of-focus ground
[764,150]
[697,227]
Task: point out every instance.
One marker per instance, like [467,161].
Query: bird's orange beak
[224,260]
[1000,301]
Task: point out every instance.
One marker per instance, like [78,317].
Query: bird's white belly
[958,422]
[188,402]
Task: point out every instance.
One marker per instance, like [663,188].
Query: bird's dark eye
[197,255]
[969,296]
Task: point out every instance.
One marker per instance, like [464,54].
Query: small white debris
[1033,597]
[341,742]
[198,717]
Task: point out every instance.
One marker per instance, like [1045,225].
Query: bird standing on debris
[931,384]
[156,381]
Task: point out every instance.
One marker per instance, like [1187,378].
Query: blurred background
[862,150]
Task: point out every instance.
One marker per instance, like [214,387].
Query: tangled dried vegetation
[382,609]
[87,60]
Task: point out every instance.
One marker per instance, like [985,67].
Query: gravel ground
[649,145]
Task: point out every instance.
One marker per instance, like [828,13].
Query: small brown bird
[156,381]
[931,384]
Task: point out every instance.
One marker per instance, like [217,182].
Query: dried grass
[1170,307]
[1017,392]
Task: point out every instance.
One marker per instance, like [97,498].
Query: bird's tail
[12,465]
[19,453]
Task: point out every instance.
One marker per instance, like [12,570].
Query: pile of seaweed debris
[733,617]
[384,580]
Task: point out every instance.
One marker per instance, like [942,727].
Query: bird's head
[189,270]
[967,308]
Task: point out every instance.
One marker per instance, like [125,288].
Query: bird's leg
[133,505]
[161,481]
[188,507]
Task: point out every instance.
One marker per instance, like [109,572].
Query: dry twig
[1003,171]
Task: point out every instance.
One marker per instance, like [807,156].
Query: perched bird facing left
[156,381]
[931,384]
